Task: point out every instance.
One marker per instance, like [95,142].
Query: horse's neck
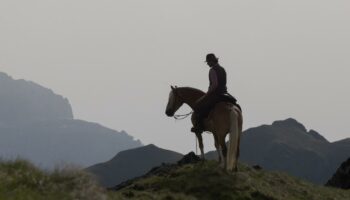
[190,96]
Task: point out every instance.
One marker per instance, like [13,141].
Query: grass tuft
[21,180]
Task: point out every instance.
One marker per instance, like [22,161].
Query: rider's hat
[211,58]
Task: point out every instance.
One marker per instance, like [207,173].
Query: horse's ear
[172,87]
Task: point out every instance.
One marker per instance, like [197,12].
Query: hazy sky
[114,60]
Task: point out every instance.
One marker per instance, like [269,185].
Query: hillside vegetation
[203,180]
[21,180]
[206,180]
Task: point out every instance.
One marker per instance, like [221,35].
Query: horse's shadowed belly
[218,118]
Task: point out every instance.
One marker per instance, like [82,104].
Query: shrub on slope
[21,180]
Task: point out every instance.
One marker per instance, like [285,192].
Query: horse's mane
[192,89]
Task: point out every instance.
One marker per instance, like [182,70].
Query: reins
[184,116]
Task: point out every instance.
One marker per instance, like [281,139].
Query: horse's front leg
[218,150]
[200,142]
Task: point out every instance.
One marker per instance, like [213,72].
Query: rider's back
[221,77]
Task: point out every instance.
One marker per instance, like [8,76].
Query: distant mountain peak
[150,146]
[146,148]
[37,124]
[127,152]
[3,75]
[316,135]
[23,101]
[290,122]
[132,163]
[287,146]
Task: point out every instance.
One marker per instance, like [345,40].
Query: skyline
[115,61]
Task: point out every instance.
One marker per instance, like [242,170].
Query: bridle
[183,116]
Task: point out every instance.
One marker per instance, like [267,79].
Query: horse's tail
[233,144]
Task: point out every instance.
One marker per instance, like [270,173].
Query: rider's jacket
[221,76]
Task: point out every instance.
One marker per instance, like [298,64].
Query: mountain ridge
[131,163]
[286,145]
[24,100]
[37,124]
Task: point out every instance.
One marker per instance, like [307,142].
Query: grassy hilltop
[203,180]
[206,180]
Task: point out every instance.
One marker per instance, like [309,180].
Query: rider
[217,88]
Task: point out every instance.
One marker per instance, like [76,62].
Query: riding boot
[198,126]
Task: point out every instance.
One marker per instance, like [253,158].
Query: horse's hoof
[222,165]
[234,170]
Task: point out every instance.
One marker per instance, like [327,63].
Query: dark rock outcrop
[341,179]
[189,158]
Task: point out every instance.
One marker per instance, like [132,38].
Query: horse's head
[174,103]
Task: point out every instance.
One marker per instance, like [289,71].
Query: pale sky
[115,60]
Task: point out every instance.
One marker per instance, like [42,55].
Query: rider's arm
[214,81]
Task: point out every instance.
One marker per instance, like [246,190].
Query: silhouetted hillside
[341,178]
[287,146]
[22,101]
[132,163]
[38,125]
[48,143]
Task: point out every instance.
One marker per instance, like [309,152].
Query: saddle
[227,97]
[204,115]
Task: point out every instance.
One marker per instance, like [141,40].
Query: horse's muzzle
[169,113]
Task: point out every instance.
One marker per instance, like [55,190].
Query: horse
[225,118]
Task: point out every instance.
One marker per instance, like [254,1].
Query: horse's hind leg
[233,142]
[222,146]
[201,146]
[240,128]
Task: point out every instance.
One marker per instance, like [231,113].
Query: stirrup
[196,130]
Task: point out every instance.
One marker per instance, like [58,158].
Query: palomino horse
[223,119]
